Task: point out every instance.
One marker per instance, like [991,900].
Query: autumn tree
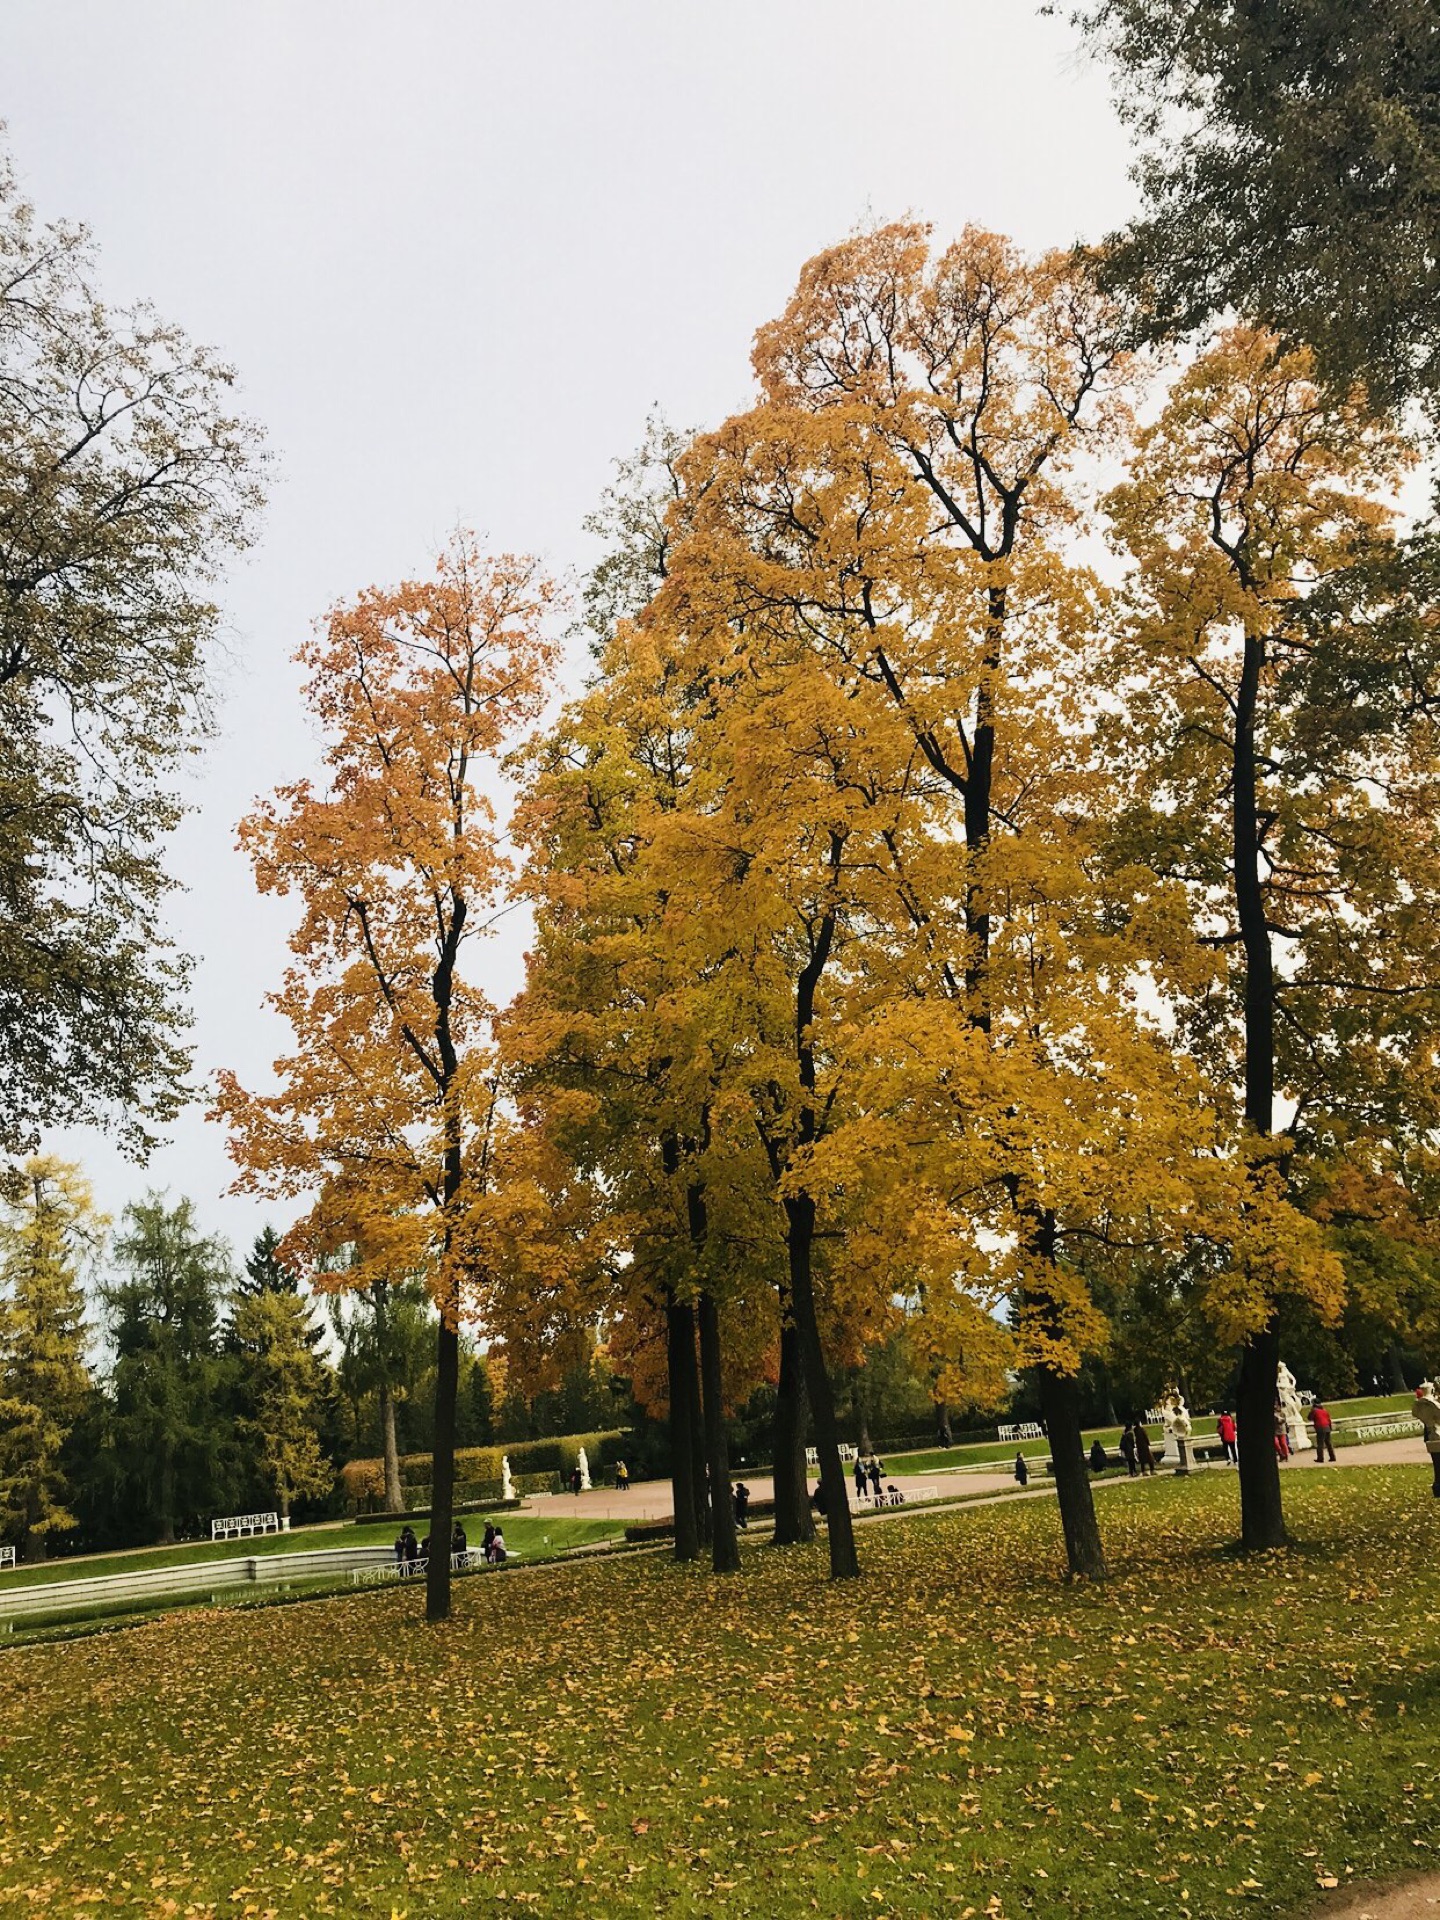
[50,1233]
[1278,675]
[126,479]
[904,501]
[383,1323]
[388,1114]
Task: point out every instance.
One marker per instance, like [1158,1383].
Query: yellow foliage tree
[388,1114]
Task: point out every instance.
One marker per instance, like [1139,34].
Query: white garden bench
[1024,1430]
[238,1524]
[7,1557]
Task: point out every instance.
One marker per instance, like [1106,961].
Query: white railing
[239,1524]
[7,1557]
[1025,1430]
[471,1561]
[191,1577]
[1379,1426]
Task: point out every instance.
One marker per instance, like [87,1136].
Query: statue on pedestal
[584,1466]
[507,1485]
[1176,1416]
[1291,1411]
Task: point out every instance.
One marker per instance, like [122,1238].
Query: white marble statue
[1176,1416]
[507,1485]
[584,1466]
[1291,1411]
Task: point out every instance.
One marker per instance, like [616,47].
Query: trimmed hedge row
[533,1465]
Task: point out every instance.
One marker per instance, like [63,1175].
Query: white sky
[457,252]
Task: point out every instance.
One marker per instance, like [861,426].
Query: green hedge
[526,1457]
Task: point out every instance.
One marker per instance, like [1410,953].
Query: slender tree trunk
[862,1413]
[442,1485]
[167,1499]
[1397,1370]
[942,1423]
[699,1473]
[394,1492]
[1262,1517]
[800,1236]
[680,1336]
[1060,1410]
[725,1549]
[793,1518]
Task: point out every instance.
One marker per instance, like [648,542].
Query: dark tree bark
[725,1549]
[800,1239]
[442,1481]
[1060,1410]
[1397,1371]
[695,1416]
[793,1519]
[680,1341]
[1262,1517]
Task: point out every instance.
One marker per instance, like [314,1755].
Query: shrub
[535,1462]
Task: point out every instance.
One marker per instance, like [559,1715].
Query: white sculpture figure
[1291,1411]
[1427,1412]
[1176,1417]
[584,1466]
[507,1485]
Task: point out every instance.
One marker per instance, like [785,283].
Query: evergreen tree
[173,1445]
[49,1230]
[284,1390]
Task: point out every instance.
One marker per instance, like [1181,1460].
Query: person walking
[859,1477]
[1226,1430]
[1324,1433]
[877,1476]
[742,1504]
[1144,1452]
[1427,1412]
[1022,1471]
[622,1477]
[1282,1438]
[1127,1450]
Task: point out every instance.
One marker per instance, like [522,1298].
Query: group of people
[870,1481]
[412,1554]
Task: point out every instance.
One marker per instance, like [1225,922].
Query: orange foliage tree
[389,1114]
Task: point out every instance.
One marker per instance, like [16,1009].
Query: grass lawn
[938,1459]
[959,1732]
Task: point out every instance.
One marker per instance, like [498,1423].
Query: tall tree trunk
[680,1339]
[862,1413]
[942,1423]
[166,1485]
[725,1549]
[442,1484]
[699,1472]
[793,1518]
[1262,1517]
[800,1238]
[1060,1410]
[1397,1371]
[394,1492]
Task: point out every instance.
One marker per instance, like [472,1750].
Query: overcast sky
[457,252]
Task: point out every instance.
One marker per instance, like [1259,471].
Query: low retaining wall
[181,1581]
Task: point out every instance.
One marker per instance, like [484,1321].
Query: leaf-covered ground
[959,1732]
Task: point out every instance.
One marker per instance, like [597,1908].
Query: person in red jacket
[1324,1436]
[1225,1427]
